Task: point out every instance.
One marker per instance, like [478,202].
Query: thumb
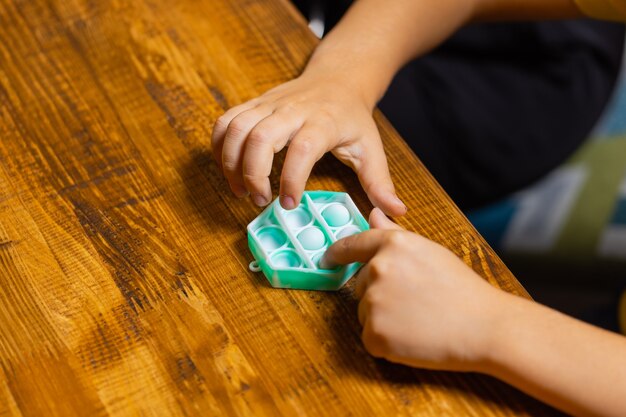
[373,174]
[378,220]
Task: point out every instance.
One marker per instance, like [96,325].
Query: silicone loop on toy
[254,266]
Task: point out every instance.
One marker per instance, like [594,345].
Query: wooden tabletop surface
[124,282]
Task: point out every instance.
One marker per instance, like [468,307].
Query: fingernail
[259,200]
[402,204]
[239,191]
[287,202]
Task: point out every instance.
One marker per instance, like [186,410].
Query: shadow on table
[350,356]
[209,195]
[221,212]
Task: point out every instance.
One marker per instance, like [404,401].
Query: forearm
[569,364]
[377,37]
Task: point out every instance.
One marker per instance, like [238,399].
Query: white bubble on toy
[297,218]
[312,238]
[336,215]
[286,259]
[348,231]
[271,238]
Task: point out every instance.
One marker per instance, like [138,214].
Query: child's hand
[420,305]
[313,115]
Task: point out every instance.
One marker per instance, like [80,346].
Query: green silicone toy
[288,244]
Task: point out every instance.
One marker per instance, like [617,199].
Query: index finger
[221,126]
[356,248]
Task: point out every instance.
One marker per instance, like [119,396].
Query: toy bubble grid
[287,245]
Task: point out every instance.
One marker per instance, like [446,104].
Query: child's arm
[572,365]
[328,108]
[421,306]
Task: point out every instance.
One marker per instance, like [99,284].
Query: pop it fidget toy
[287,245]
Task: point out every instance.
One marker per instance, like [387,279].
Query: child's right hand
[420,304]
[312,114]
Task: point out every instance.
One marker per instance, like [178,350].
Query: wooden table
[124,287]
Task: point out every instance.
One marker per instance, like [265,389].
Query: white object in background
[317,27]
[316,20]
[613,242]
[542,210]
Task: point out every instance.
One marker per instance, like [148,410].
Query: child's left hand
[420,305]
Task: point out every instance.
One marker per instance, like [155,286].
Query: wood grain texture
[124,287]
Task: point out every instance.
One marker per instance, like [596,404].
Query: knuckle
[287,107]
[325,117]
[221,123]
[328,112]
[289,181]
[252,179]
[303,146]
[236,127]
[396,239]
[258,137]
[378,267]
[229,165]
